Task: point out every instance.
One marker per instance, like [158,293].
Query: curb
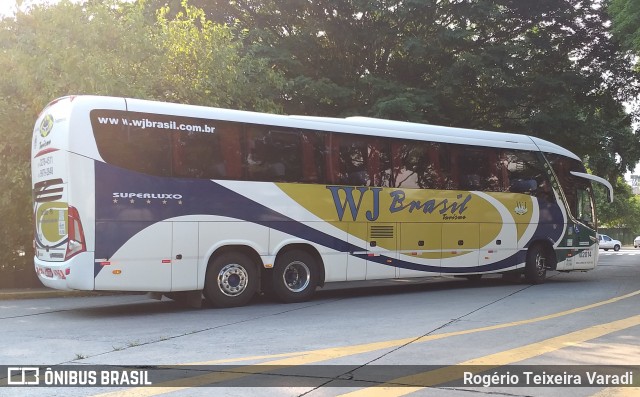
[44,293]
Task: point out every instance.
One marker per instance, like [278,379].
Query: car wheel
[616,247]
[606,249]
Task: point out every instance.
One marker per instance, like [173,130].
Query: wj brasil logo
[352,198]
[521,208]
[46,125]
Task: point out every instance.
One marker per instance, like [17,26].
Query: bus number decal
[585,254]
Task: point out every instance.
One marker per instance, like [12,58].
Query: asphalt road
[348,340]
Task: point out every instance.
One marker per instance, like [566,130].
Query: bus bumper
[76,273]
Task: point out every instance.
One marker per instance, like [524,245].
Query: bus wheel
[231,280]
[295,276]
[535,270]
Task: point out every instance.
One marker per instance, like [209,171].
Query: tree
[547,68]
[625,15]
[623,212]
[110,48]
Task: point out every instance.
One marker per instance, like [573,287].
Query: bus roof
[349,125]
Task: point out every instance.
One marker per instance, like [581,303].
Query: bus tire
[231,280]
[535,270]
[295,276]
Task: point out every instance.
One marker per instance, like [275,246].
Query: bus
[191,202]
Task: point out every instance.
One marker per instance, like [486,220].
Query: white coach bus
[135,195]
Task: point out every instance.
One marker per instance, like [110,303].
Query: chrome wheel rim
[233,279]
[296,276]
[540,264]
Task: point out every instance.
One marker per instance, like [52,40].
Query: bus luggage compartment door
[421,243]
[460,248]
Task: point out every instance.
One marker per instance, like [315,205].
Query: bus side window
[313,157]
[353,157]
[227,164]
[273,155]
[209,156]
[145,150]
[469,168]
[416,165]
[332,158]
[527,175]
[379,162]
[284,155]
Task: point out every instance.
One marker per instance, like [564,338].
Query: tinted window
[121,143]
[525,173]
[475,168]
[199,148]
[562,166]
[417,165]
[273,155]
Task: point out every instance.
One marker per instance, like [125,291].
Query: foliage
[623,212]
[110,48]
[546,68]
[625,15]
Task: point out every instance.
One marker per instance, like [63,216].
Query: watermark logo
[19,376]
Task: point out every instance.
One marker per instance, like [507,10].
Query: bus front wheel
[231,280]
[535,270]
[295,276]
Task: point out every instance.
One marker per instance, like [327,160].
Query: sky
[8,7]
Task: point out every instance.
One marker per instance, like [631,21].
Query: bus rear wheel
[231,280]
[535,270]
[295,276]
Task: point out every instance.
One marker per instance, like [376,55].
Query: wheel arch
[311,250]
[549,250]
[237,248]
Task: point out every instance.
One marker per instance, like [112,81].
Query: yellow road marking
[314,356]
[618,392]
[249,358]
[448,374]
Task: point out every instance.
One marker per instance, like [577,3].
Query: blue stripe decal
[128,202]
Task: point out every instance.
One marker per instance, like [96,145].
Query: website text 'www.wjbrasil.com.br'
[145,122]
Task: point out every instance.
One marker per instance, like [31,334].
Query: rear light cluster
[77,243]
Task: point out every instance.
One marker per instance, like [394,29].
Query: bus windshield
[578,191]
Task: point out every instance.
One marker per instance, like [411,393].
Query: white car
[607,243]
[636,242]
